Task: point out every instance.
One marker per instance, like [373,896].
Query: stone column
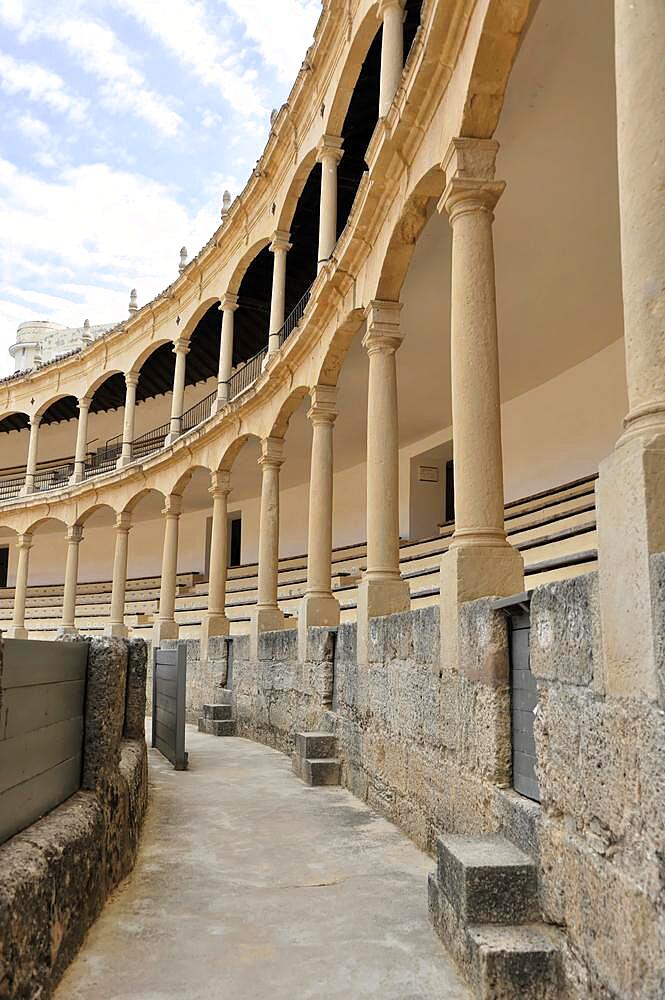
[480,562]
[181,351]
[81,439]
[382,591]
[391,13]
[215,621]
[165,626]
[329,154]
[116,626]
[318,606]
[267,616]
[74,536]
[280,246]
[31,465]
[631,497]
[131,385]
[228,305]
[17,629]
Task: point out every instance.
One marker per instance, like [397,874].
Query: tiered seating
[555,531]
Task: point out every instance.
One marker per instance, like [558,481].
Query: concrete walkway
[251,886]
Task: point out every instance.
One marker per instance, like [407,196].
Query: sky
[122,122]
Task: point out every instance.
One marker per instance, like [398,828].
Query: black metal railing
[10,488]
[198,413]
[150,441]
[294,317]
[52,479]
[246,375]
[102,460]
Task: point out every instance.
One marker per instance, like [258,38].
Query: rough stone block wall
[205,674]
[431,750]
[56,875]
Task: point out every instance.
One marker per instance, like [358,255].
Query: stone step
[320,772]
[487,880]
[316,745]
[516,962]
[217,712]
[217,727]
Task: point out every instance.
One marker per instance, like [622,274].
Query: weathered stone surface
[487,880]
[135,702]
[565,631]
[104,710]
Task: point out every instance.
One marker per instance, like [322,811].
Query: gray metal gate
[523,702]
[168,704]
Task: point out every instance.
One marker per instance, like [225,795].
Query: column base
[218,405]
[631,529]
[266,620]
[171,437]
[116,630]
[123,461]
[378,596]
[27,490]
[76,478]
[212,625]
[164,630]
[469,572]
[16,632]
[315,611]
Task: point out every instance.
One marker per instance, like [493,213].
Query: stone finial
[226,204]
[273,115]
[87,335]
[183,260]
[133,302]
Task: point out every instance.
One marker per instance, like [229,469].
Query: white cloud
[33,128]
[203,45]
[39,85]
[282,29]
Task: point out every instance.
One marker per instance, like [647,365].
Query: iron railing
[150,441]
[52,479]
[103,460]
[198,413]
[10,488]
[294,317]
[246,375]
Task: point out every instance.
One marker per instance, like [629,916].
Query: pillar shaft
[131,385]
[476,404]
[178,401]
[280,246]
[329,155]
[381,341]
[165,626]
[392,52]
[322,415]
[81,440]
[270,461]
[31,465]
[228,305]
[116,626]
[215,621]
[640,81]
[18,629]
[74,536]
[629,494]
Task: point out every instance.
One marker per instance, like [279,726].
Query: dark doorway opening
[235,540]
[4,565]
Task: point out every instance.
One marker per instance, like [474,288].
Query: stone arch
[99,381]
[43,519]
[48,403]
[499,43]
[94,507]
[179,485]
[333,361]
[288,408]
[136,498]
[296,187]
[145,353]
[198,314]
[243,264]
[233,450]
[360,46]
[13,420]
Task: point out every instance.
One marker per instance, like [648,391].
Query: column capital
[383,327]
[123,521]
[323,408]
[385,4]
[24,541]
[220,483]
[75,533]
[35,420]
[85,403]
[181,347]
[329,147]
[132,379]
[280,241]
[228,302]
[272,452]
[172,506]
[470,166]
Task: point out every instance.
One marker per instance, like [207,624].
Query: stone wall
[56,875]
[431,750]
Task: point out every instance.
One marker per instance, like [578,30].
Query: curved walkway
[250,885]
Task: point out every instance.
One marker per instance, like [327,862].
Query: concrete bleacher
[554,530]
